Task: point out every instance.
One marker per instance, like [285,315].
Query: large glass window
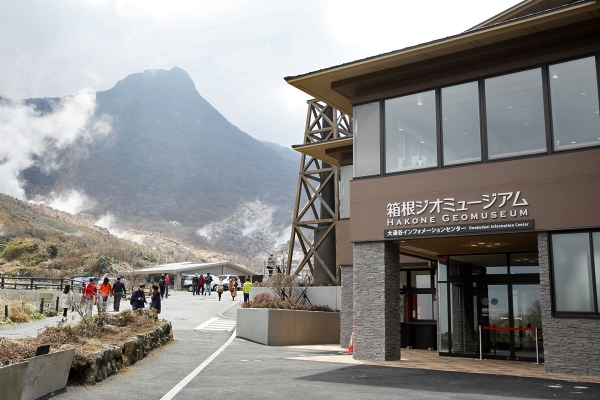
[515,114]
[366,140]
[572,272]
[410,132]
[461,141]
[574,100]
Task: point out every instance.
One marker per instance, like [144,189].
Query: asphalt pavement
[201,364]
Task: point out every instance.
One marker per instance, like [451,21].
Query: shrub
[16,248]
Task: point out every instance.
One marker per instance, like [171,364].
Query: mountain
[171,162]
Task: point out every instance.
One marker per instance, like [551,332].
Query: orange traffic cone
[351,346]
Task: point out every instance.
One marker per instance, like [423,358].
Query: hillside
[38,240]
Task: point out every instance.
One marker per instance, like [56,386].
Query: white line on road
[205,324]
[195,372]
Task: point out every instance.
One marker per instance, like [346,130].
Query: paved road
[246,370]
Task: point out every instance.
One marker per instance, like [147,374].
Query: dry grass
[18,310]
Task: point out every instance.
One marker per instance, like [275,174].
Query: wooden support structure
[323,123]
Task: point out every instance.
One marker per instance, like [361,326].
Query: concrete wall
[347,302]
[376,301]
[12,381]
[288,327]
[571,345]
[47,374]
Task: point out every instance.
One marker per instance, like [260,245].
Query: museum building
[473,210]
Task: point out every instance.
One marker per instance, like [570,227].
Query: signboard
[459,228]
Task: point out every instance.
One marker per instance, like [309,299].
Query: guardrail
[33,282]
[496,328]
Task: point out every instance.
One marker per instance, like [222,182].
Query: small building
[474,180]
[177,271]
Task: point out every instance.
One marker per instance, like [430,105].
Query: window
[410,132]
[366,140]
[515,114]
[461,141]
[574,264]
[345,175]
[574,101]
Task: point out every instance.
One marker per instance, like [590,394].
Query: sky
[237,52]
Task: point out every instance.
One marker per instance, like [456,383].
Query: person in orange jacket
[105,291]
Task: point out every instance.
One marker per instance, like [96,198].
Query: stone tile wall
[571,345]
[376,299]
[346,319]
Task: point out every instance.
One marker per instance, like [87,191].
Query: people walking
[105,291]
[220,287]
[246,290]
[208,283]
[168,282]
[161,284]
[90,292]
[119,292]
[155,299]
[201,282]
[194,284]
[138,298]
[66,300]
[233,287]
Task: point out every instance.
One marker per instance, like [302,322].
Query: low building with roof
[177,271]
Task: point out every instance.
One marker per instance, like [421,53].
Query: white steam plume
[109,222]
[72,201]
[26,133]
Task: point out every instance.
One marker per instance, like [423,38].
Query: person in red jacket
[90,292]
[168,282]
[201,284]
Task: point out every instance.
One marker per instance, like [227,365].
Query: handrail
[33,282]
[501,328]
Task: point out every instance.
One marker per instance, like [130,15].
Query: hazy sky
[237,52]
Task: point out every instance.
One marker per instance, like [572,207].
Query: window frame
[574,314]
[483,118]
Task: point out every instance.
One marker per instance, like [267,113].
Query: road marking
[217,324]
[198,369]
[205,324]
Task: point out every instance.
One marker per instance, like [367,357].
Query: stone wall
[346,322]
[111,360]
[376,301]
[571,345]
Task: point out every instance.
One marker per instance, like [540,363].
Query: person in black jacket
[161,284]
[138,298]
[119,293]
[156,296]
[195,284]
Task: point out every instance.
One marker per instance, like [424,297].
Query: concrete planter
[36,376]
[288,327]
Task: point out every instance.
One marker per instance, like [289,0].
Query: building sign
[460,228]
[490,212]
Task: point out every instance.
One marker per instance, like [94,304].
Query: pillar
[376,301]
[346,306]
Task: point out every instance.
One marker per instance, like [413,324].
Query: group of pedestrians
[202,284]
[138,298]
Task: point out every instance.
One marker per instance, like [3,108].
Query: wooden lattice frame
[319,127]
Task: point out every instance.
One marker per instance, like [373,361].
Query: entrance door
[510,306]
[527,313]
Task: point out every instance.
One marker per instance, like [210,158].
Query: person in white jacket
[66,300]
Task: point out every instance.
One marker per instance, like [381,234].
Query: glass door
[496,313]
[527,313]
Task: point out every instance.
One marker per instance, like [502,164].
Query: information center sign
[460,228]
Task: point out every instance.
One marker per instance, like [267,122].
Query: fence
[34,282]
